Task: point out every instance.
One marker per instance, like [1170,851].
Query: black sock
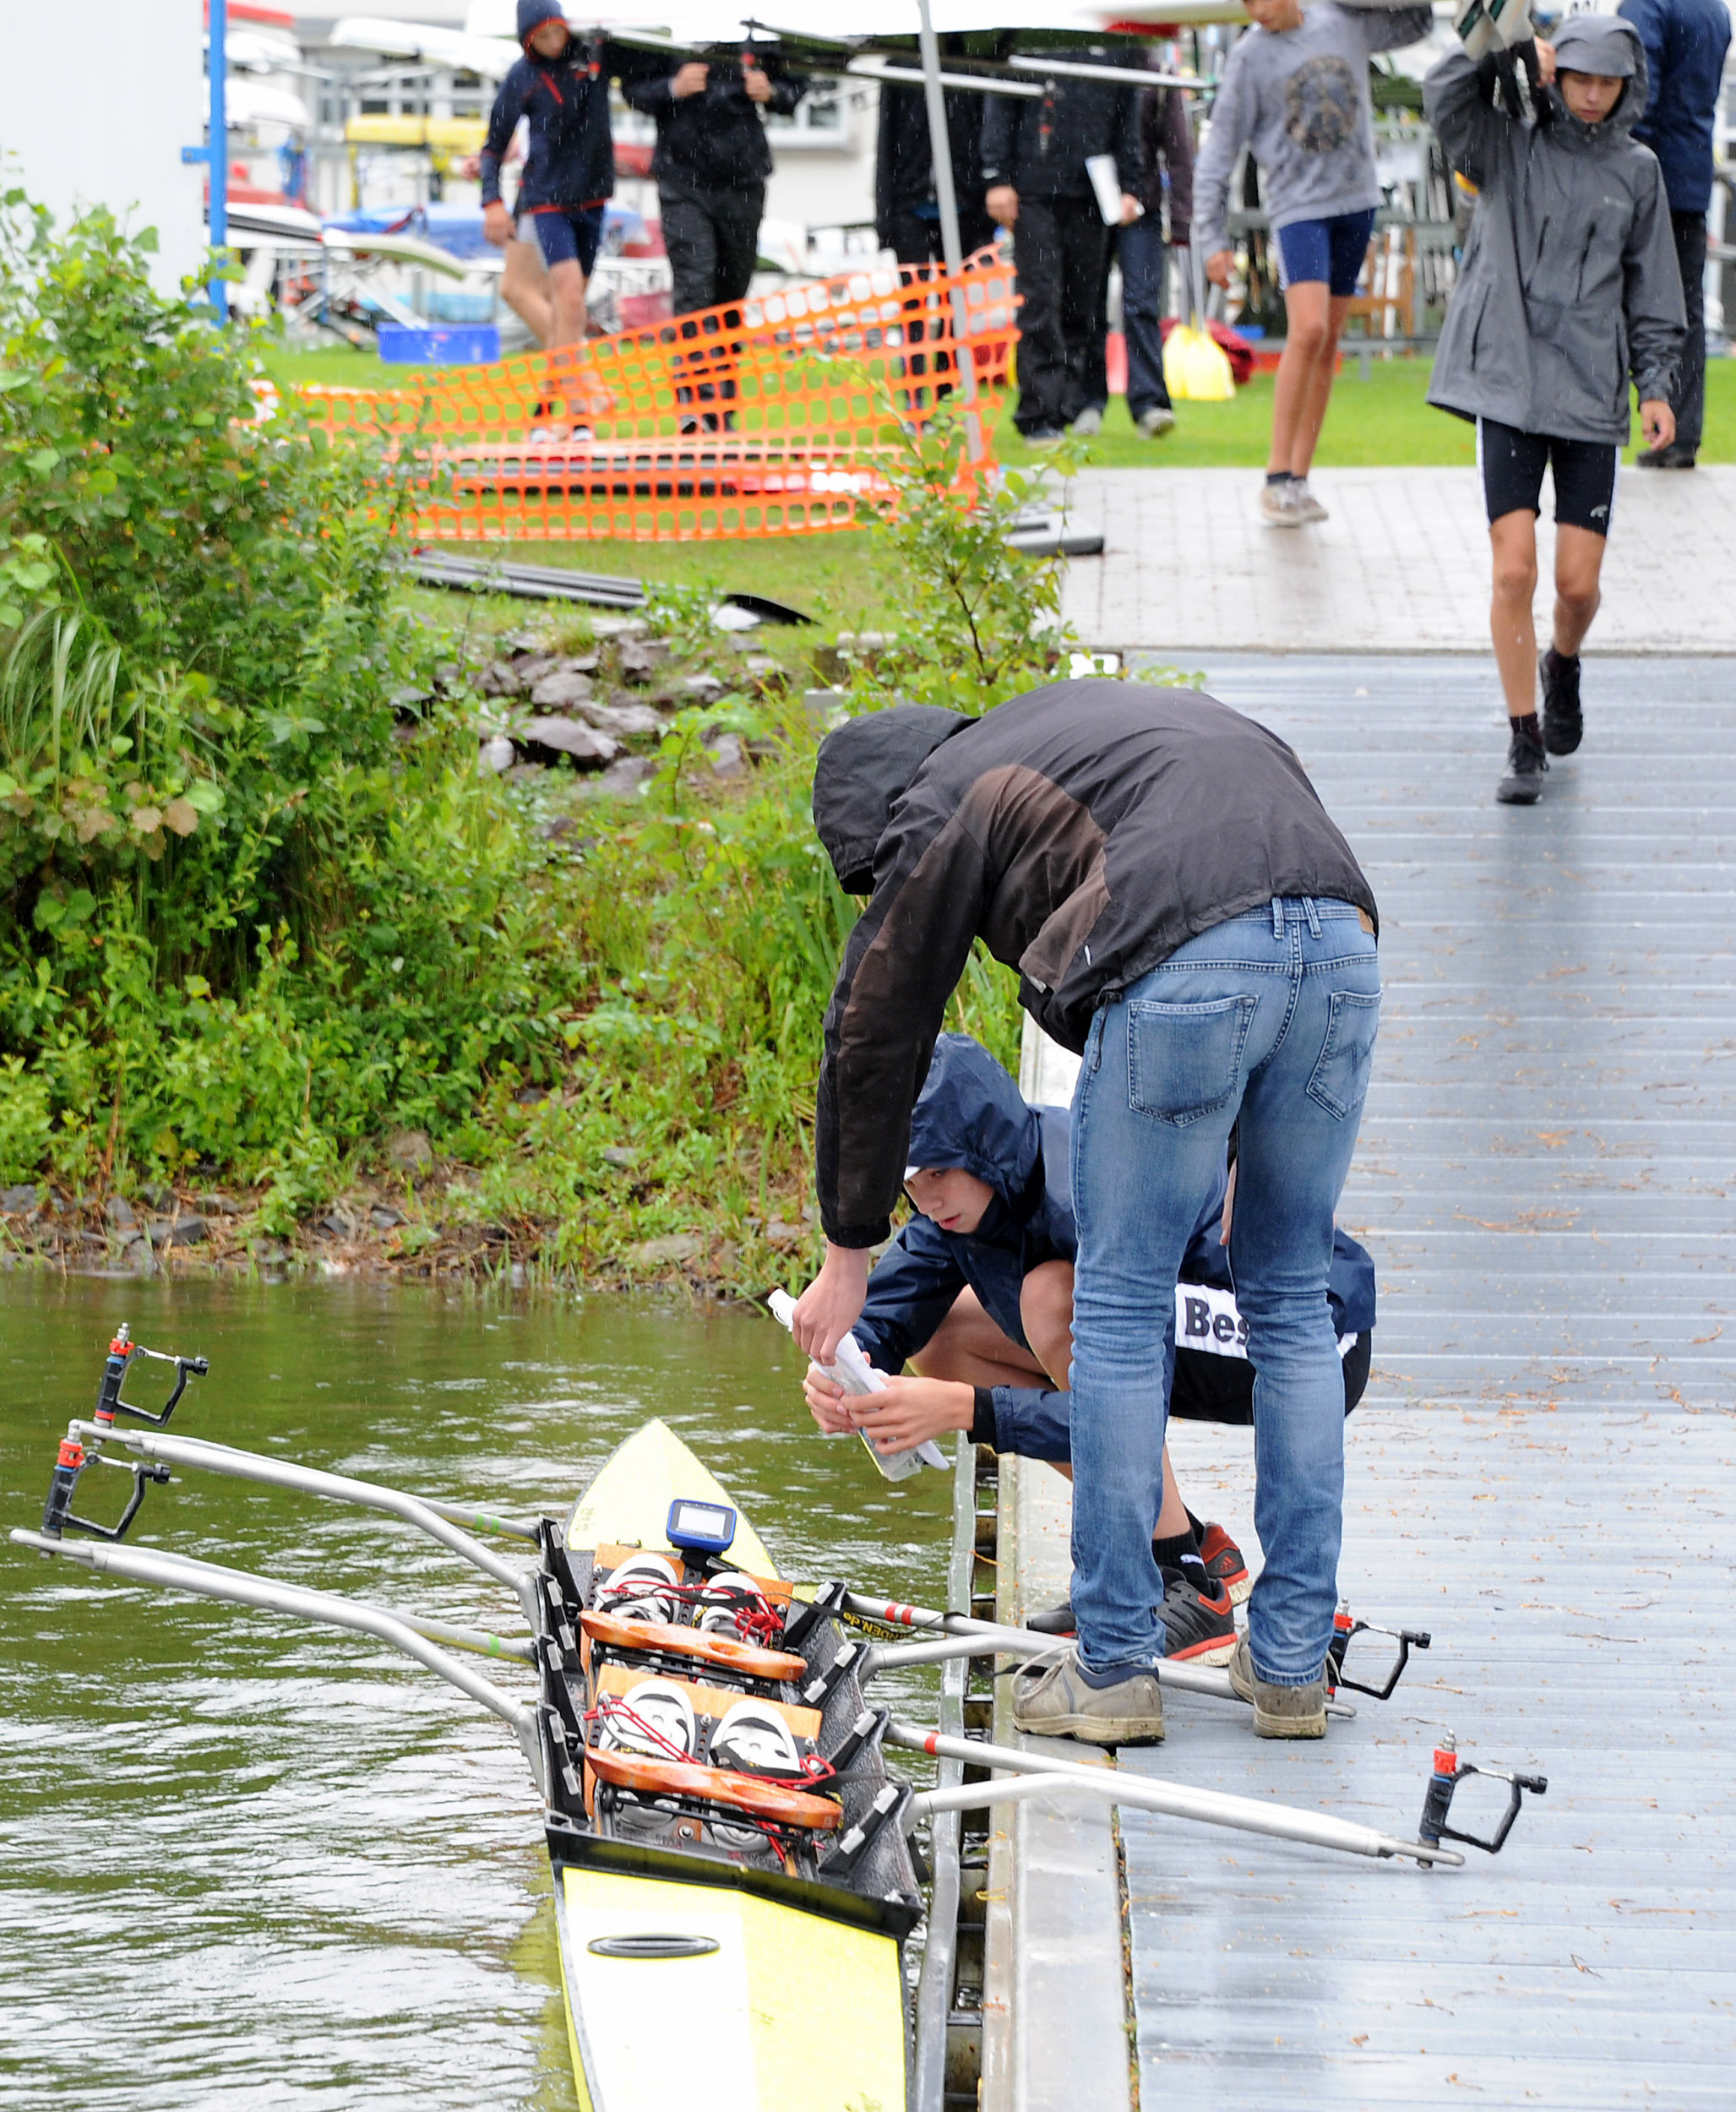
[1181,1555]
[1526,727]
[1281,476]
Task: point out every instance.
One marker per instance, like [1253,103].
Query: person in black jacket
[562,86]
[906,215]
[975,1293]
[1184,914]
[1034,152]
[712,162]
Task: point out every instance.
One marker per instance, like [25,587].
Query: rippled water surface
[245,1862]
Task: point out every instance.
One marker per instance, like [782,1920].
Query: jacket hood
[1604,44]
[864,769]
[533,13]
[969,1114]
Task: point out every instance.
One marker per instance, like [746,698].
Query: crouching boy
[1570,288]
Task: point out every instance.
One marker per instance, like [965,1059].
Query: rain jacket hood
[864,769]
[970,1114]
[532,14]
[1570,288]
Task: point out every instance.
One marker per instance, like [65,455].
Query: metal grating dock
[1542,1472]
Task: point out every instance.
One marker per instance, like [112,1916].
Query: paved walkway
[1402,565]
[1542,1471]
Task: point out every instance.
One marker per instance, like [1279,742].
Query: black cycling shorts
[1209,1388]
[1513,463]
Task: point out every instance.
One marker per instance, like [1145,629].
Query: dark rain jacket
[571,157]
[1040,144]
[716,140]
[1685,41]
[970,1115]
[1166,147]
[1083,832]
[1569,283]
[904,161]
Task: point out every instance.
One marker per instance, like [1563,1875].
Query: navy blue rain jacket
[969,1114]
[1685,41]
[571,158]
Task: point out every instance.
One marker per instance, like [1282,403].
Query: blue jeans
[1268,1019]
[1143,257]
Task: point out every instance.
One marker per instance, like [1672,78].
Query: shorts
[570,234]
[1330,249]
[1513,462]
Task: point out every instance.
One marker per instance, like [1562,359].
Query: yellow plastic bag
[1195,368]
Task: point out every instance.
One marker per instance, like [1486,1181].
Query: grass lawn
[1382,421]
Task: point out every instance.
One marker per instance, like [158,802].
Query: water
[248,1863]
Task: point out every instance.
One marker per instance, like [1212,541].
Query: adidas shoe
[1224,1564]
[1196,1630]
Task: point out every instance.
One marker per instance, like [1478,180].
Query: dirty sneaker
[1563,722]
[1306,504]
[1523,784]
[1277,505]
[1224,1564]
[1278,1712]
[1197,1628]
[1055,1697]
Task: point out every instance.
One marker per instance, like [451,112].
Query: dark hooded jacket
[903,162]
[969,1114]
[571,157]
[1083,832]
[1040,144]
[716,140]
[1569,284]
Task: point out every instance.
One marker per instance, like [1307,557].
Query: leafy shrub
[24,1120]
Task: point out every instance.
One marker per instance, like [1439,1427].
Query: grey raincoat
[1569,282]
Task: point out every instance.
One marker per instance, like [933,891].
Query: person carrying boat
[975,1293]
[561,86]
[1184,914]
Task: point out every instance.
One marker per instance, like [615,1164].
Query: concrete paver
[1401,567]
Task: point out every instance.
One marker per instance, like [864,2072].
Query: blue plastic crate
[452,345]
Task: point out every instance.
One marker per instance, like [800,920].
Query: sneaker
[1563,723]
[1277,505]
[1052,1699]
[1156,421]
[1196,1630]
[1044,436]
[1278,1712]
[1088,424]
[1306,504]
[1224,1564]
[1674,457]
[1523,785]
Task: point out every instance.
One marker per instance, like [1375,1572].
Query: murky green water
[246,1864]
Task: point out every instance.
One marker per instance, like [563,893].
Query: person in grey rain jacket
[1569,289]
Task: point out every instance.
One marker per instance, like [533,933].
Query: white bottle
[854,1372]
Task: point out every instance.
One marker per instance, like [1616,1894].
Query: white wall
[96,103]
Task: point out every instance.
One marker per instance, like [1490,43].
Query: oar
[964,1637]
[1036,1774]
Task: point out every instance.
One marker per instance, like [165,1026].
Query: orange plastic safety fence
[768,417]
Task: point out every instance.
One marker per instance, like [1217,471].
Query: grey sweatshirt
[1300,99]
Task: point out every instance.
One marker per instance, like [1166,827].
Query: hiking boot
[1088,424]
[1307,505]
[1674,457]
[1278,1712]
[1523,785]
[1197,1629]
[1224,1564]
[1052,1698]
[1563,723]
[1277,505]
[1156,421]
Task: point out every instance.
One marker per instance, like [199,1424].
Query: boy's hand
[689,79]
[1218,267]
[757,80]
[826,1399]
[1658,422]
[909,1412]
[1545,63]
[497,225]
[832,1303]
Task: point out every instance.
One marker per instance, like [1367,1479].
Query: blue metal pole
[217,141]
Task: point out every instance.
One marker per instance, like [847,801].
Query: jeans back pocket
[1339,1082]
[1185,1060]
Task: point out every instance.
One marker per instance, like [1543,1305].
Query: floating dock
[1541,1474]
